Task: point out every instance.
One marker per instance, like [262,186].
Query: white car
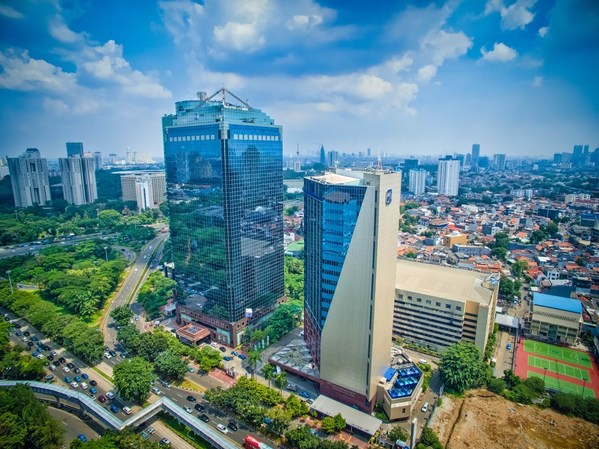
[127,410]
[151,430]
[83,386]
[40,356]
[66,369]
[222,428]
[107,355]
[188,410]
[74,384]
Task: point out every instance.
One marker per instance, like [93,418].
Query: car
[54,353]
[234,353]
[424,407]
[114,408]
[204,417]
[70,365]
[102,398]
[74,385]
[19,334]
[84,375]
[77,379]
[93,383]
[127,410]
[188,409]
[227,358]
[509,346]
[47,348]
[304,394]
[49,378]
[144,435]
[200,408]
[222,349]
[26,333]
[67,379]
[82,437]
[56,363]
[110,395]
[24,339]
[190,369]
[232,425]
[222,428]
[164,442]
[30,344]
[50,358]
[34,353]
[77,370]
[124,355]
[52,368]
[112,353]
[190,398]
[40,356]
[17,325]
[136,317]
[92,397]
[62,360]
[151,430]
[92,390]
[165,383]
[156,390]
[250,370]
[83,386]
[107,355]
[66,369]
[34,338]
[242,356]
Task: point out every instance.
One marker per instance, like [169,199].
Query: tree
[398,433]
[170,365]
[510,379]
[507,288]
[133,379]
[327,424]
[151,344]
[268,371]
[295,406]
[518,268]
[429,439]
[461,367]
[277,420]
[122,315]
[253,358]
[497,385]
[281,380]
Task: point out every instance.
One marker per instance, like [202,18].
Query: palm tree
[281,380]
[268,371]
[253,358]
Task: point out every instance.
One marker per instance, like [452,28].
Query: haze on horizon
[415,78]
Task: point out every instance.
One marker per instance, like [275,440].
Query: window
[438,304]
[458,308]
[448,306]
[418,299]
[428,301]
[410,298]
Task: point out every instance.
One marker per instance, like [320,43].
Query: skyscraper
[448,176]
[75,149]
[29,178]
[350,260]
[475,155]
[98,160]
[78,175]
[323,156]
[224,173]
[417,183]
[499,162]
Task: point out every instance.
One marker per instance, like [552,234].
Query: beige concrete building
[146,188]
[555,318]
[455,238]
[436,306]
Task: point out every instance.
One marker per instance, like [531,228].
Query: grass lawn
[556,352]
[563,386]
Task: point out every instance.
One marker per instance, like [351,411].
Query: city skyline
[417,79]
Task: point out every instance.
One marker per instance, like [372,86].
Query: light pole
[10,281]
[584,384]
[106,253]
[544,374]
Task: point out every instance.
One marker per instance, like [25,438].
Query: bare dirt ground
[484,420]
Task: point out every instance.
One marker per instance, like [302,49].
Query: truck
[251,442]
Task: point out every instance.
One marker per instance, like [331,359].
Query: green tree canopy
[122,315]
[461,367]
[133,379]
[170,365]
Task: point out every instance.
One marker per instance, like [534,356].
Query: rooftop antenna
[222,91]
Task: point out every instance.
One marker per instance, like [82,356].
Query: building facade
[98,160]
[555,318]
[75,149]
[417,182]
[448,177]
[475,155]
[29,178]
[78,179]
[224,174]
[499,162]
[350,241]
[146,188]
[437,306]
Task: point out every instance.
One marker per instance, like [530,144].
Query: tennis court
[565,387]
[559,368]
[556,352]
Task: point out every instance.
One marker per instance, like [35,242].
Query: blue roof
[389,374]
[557,302]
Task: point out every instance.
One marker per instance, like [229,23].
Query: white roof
[354,418]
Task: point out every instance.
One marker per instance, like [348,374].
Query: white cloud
[239,36]
[427,73]
[537,81]
[443,45]
[11,13]
[54,105]
[500,53]
[303,21]
[61,32]
[517,15]
[543,31]
[21,72]
[397,65]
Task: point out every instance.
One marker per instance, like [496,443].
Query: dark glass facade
[225,192]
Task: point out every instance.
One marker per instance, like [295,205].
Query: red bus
[253,443]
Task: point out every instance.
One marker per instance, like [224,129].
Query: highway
[32,248]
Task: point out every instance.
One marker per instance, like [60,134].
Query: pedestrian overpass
[92,408]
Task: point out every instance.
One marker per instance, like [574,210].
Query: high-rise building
[152,181]
[128,156]
[350,241]
[323,155]
[410,164]
[78,179]
[112,158]
[333,158]
[475,155]
[499,162]
[448,177]
[98,160]
[75,149]
[418,181]
[29,178]
[144,193]
[224,174]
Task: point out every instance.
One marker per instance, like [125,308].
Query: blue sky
[400,77]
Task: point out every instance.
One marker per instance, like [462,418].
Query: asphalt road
[27,248]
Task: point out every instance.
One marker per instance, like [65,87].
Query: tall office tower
[75,149]
[483,162]
[29,178]
[499,162]
[475,154]
[98,160]
[350,260]
[468,160]
[418,181]
[368,152]
[224,174]
[333,158]
[410,164]
[112,158]
[448,177]
[78,179]
[557,158]
[460,157]
[323,156]
[128,156]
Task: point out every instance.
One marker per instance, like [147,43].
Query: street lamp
[10,281]
[106,253]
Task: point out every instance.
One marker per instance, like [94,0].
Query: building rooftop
[443,282]
[354,418]
[557,302]
[333,178]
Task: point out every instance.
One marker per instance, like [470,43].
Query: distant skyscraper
[483,162]
[475,154]
[78,179]
[129,156]
[29,178]
[112,158]
[350,270]
[323,156]
[75,149]
[410,164]
[448,177]
[333,158]
[224,172]
[98,160]
[418,181]
[499,162]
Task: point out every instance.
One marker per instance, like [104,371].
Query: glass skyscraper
[224,174]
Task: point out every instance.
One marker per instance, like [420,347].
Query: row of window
[428,301]
[192,138]
[254,137]
[448,314]
[555,316]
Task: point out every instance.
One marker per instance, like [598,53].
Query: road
[130,286]
[27,248]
